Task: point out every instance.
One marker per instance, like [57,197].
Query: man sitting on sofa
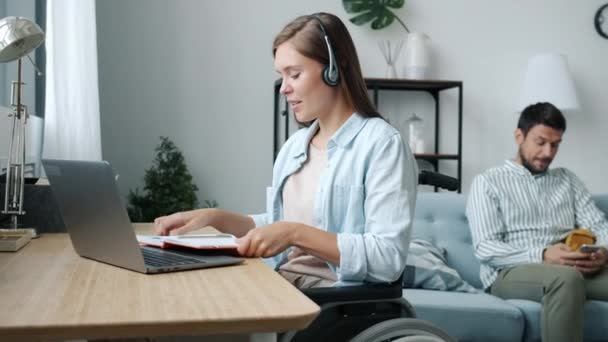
[521,212]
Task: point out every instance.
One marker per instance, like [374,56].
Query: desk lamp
[18,37]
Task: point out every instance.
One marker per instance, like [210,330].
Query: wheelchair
[371,312]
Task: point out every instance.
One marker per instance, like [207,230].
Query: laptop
[99,226]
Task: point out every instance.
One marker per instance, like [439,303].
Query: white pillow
[426,268]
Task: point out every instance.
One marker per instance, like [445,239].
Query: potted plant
[168,186]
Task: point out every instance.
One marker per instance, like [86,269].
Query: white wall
[201,73]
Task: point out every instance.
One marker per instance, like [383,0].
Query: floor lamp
[18,37]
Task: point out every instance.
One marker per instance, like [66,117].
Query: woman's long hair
[306,35]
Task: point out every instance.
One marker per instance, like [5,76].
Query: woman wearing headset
[344,186]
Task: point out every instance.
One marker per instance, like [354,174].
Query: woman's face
[309,97]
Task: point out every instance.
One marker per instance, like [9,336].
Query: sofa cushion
[440,218]
[426,268]
[468,316]
[596,316]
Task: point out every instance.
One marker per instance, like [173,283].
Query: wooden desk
[48,292]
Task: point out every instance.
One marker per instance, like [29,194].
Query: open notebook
[201,241]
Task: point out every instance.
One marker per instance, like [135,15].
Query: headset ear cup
[331,79]
[331,73]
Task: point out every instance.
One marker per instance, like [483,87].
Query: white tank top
[298,203]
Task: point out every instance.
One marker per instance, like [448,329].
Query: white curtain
[71,122]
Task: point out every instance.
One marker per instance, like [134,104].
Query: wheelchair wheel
[403,330]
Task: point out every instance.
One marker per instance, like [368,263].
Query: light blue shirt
[514,215]
[366,196]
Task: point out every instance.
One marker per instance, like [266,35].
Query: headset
[331,72]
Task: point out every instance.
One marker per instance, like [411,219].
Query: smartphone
[589,248]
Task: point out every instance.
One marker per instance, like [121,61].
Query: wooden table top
[48,292]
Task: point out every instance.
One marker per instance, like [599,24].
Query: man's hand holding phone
[589,249]
[597,259]
[587,263]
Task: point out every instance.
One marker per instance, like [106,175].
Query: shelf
[401,84]
[433,156]
[435,88]
[405,84]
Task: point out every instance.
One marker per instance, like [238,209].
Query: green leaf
[363,18]
[394,3]
[383,19]
[376,11]
[356,6]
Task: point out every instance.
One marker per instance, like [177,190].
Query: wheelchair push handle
[439,180]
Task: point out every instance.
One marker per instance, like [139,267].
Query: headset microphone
[331,73]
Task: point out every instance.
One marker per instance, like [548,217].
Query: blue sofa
[440,219]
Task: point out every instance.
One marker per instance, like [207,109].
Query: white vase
[417,56]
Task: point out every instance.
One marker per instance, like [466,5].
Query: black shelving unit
[433,87]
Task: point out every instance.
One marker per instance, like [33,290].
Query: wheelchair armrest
[370,291]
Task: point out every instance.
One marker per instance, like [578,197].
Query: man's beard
[526,163]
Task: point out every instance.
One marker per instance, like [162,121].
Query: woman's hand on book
[182,222]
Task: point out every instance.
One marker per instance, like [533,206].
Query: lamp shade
[18,37]
[548,79]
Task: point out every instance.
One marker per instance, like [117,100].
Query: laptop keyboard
[159,258]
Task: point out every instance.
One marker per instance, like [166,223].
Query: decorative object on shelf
[417,56]
[18,37]
[168,175]
[417,53]
[376,11]
[414,136]
[601,21]
[548,79]
[391,54]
